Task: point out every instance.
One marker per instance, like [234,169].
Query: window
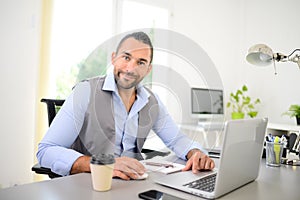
[140,15]
[78,27]
[136,14]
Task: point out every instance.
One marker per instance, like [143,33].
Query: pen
[283,140]
[159,164]
[270,137]
[277,148]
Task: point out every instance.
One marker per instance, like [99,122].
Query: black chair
[53,105]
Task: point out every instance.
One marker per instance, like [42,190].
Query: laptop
[239,163]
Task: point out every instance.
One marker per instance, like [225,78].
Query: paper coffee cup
[101,171]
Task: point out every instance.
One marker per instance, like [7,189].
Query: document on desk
[162,166]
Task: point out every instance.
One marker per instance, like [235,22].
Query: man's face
[131,63]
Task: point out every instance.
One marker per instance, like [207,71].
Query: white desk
[273,183]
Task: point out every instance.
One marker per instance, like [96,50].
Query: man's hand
[82,164]
[197,160]
[128,168]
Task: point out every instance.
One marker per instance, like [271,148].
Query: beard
[127,80]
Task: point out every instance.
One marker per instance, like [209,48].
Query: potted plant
[294,111]
[241,104]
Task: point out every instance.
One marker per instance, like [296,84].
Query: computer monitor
[207,103]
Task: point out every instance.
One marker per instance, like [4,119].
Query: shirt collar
[109,83]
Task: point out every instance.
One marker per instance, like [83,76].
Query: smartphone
[157,195]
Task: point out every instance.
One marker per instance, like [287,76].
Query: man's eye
[126,58]
[141,63]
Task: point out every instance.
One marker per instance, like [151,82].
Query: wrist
[82,164]
[191,153]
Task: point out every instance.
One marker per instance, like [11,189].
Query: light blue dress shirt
[54,150]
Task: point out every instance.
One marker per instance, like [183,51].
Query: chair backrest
[53,105]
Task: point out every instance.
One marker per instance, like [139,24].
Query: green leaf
[239,92]
[247,100]
[251,106]
[244,88]
[240,102]
[252,114]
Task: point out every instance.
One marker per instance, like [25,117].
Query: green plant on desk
[241,103]
[294,111]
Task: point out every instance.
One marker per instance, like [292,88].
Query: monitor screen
[207,101]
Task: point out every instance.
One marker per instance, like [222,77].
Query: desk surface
[273,183]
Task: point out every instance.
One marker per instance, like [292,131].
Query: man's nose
[132,64]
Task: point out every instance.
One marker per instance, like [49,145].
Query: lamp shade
[260,54]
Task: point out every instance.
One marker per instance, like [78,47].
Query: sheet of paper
[168,167]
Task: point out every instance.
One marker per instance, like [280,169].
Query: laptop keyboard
[206,183]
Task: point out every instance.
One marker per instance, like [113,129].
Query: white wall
[224,29]
[278,30]
[18,65]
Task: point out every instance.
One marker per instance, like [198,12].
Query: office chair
[53,105]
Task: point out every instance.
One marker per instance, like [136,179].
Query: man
[115,114]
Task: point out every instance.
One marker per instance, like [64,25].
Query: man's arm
[82,164]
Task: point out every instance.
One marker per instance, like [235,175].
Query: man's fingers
[196,163]
[199,161]
[117,173]
[188,165]
[129,167]
[209,164]
[203,161]
[137,167]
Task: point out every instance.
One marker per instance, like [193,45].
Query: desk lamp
[262,55]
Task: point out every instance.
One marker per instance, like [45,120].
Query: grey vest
[97,134]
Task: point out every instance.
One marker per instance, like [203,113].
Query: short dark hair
[140,36]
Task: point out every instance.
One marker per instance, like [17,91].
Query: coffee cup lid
[103,159]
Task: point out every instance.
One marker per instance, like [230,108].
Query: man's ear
[113,57]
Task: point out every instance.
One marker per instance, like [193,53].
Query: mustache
[131,74]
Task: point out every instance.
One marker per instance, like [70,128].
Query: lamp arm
[294,52]
[279,57]
[295,57]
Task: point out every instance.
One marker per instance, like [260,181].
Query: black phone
[157,195]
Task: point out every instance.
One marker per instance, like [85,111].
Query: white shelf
[283,127]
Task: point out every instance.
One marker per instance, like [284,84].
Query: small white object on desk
[142,177]
[162,166]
